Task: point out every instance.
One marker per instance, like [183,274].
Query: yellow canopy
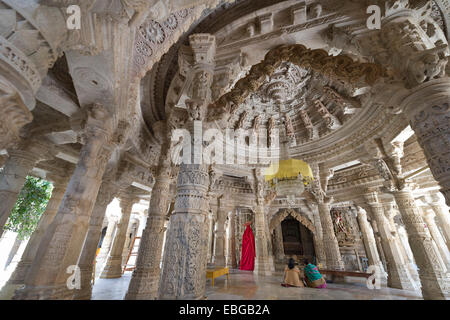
[286,169]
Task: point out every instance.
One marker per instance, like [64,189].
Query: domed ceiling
[156,83]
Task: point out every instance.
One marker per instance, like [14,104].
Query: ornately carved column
[330,243]
[231,253]
[17,279]
[376,234]
[442,215]
[262,266]
[131,233]
[210,236]
[429,216]
[435,283]
[63,240]
[20,162]
[398,274]
[219,243]
[428,112]
[108,239]
[145,279]
[390,212]
[87,259]
[113,267]
[318,241]
[184,263]
[369,240]
[278,243]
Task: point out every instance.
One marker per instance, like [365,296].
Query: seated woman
[313,277]
[292,275]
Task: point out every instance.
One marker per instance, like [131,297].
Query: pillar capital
[371,196]
[203,46]
[428,214]
[127,200]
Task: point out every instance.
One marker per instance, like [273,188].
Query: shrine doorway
[297,239]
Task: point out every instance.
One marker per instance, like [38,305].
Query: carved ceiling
[157,82]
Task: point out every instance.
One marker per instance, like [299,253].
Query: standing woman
[313,277]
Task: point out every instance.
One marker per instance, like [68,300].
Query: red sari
[248,250]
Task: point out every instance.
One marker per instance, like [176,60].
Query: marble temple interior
[166,128]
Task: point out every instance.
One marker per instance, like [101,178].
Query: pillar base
[113,269]
[429,289]
[8,290]
[83,293]
[143,286]
[399,279]
[262,268]
[54,292]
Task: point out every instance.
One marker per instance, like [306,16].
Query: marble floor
[244,285]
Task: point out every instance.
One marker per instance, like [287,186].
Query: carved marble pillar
[442,215]
[404,239]
[108,239]
[376,233]
[390,212]
[219,243]
[131,233]
[17,279]
[87,259]
[184,263]
[62,243]
[398,274]
[231,252]
[262,263]
[211,224]
[435,283]
[145,279]
[20,162]
[428,217]
[269,247]
[369,240]
[278,243]
[113,267]
[318,241]
[428,112]
[333,256]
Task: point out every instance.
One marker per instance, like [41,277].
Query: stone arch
[340,68]
[283,213]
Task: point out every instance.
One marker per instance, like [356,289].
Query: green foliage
[30,206]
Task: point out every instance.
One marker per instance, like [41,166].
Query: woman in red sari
[248,249]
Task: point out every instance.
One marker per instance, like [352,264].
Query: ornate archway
[283,213]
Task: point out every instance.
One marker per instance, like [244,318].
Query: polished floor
[244,285]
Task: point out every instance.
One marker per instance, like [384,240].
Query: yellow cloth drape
[286,169]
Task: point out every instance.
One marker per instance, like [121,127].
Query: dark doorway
[291,236]
[297,239]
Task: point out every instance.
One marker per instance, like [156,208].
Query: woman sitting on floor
[313,277]
[292,275]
